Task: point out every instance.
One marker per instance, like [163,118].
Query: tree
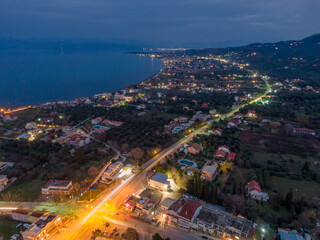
[305,166]
[157,237]
[289,199]
[93,171]
[96,233]
[65,153]
[138,154]
[131,234]
[78,155]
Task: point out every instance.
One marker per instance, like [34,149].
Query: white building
[111,171]
[159,181]
[3,182]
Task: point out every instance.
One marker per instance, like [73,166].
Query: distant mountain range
[71,45]
[285,59]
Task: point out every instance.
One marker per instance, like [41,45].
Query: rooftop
[189,209]
[160,177]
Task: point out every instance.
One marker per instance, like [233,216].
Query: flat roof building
[159,181]
[57,187]
[43,228]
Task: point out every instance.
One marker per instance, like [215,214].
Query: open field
[28,115]
[8,227]
[299,188]
[281,143]
[28,191]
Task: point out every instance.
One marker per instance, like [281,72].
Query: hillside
[285,59]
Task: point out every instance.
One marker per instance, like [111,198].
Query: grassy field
[280,212]
[298,161]
[299,188]
[28,115]
[8,227]
[94,193]
[28,191]
[263,157]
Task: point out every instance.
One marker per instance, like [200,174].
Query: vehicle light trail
[111,194]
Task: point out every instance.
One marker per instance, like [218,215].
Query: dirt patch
[281,143]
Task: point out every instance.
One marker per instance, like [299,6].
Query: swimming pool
[186,162]
[100,127]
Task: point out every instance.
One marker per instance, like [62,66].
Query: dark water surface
[39,77]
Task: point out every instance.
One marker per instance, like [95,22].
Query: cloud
[160,20]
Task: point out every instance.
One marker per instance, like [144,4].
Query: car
[204,237]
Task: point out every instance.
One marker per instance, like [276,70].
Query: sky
[184,23]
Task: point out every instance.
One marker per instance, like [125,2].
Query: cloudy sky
[168,22]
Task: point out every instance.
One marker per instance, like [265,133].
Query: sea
[35,77]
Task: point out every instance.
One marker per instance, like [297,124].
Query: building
[232,156]
[201,117]
[254,192]
[110,172]
[221,152]
[43,228]
[305,131]
[218,132]
[114,123]
[252,113]
[6,165]
[159,181]
[188,213]
[181,119]
[25,216]
[149,199]
[234,122]
[214,219]
[57,187]
[238,116]
[166,204]
[194,148]
[3,182]
[292,235]
[96,120]
[77,140]
[31,125]
[209,172]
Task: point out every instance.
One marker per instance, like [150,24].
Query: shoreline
[28,106]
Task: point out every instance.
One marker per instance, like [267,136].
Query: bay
[34,77]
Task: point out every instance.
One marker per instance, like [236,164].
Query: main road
[83,227]
[111,200]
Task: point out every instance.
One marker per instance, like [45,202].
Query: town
[211,147]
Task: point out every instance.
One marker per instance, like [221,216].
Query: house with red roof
[204,105]
[101,130]
[96,120]
[304,131]
[252,113]
[188,213]
[234,122]
[194,148]
[239,115]
[232,156]
[114,123]
[77,140]
[7,117]
[218,132]
[254,192]
[222,152]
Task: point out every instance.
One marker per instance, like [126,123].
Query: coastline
[2,107]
